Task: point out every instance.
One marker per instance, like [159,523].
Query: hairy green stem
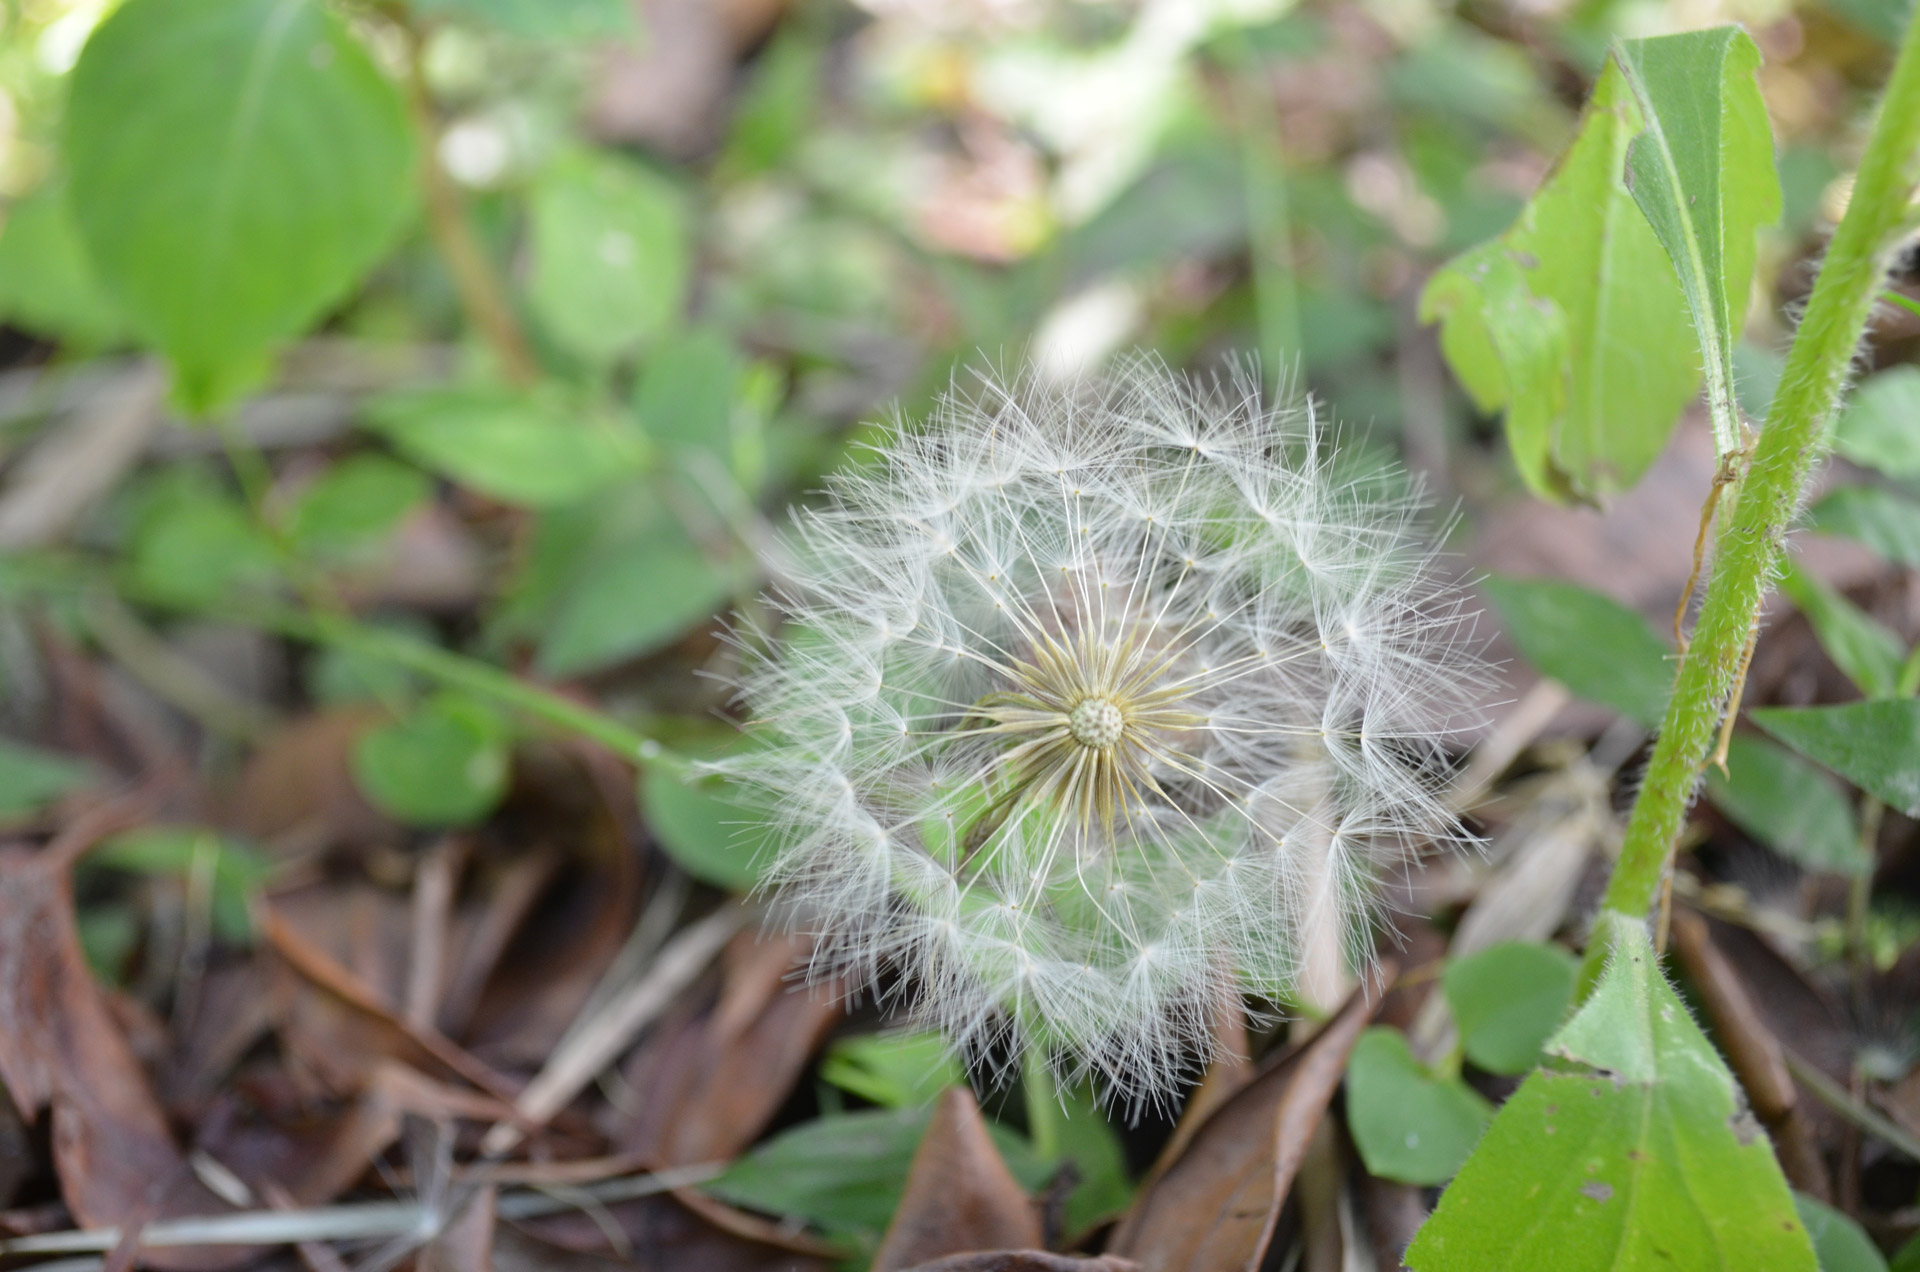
[1752,534]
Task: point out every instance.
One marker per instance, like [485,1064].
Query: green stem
[1753,532]
[1044,1114]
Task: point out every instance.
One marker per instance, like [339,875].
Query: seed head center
[1096,723]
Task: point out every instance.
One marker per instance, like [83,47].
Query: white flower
[1093,702]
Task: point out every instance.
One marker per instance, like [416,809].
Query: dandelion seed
[1118,766]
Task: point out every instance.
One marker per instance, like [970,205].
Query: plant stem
[482,295]
[1750,540]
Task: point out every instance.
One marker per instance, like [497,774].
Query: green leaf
[47,283]
[1099,1161]
[236,166]
[444,765]
[1508,1000]
[1879,518]
[686,392]
[1859,645]
[1788,805]
[711,836]
[358,501]
[1637,1155]
[31,778]
[1874,745]
[1573,319]
[195,551]
[1703,174]
[908,1069]
[610,254]
[1876,430]
[1842,1244]
[233,873]
[542,19]
[1409,1125]
[1598,648]
[524,447]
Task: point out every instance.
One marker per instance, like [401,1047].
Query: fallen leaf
[959,1194]
[466,1244]
[1213,1208]
[667,1234]
[1026,1261]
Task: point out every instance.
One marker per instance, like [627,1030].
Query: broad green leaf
[194,551]
[357,501]
[895,1070]
[712,837]
[1507,1000]
[232,873]
[48,285]
[844,1174]
[686,392]
[1859,645]
[1886,522]
[1409,1125]
[1595,646]
[1573,319]
[1788,805]
[1098,1160]
[610,253]
[1635,1154]
[31,778]
[236,166]
[1842,1244]
[1703,174]
[524,447]
[1878,428]
[1874,745]
[542,19]
[445,764]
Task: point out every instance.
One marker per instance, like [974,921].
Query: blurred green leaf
[1788,805]
[610,253]
[542,19]
[1595,646]
[686,390]
[906,1069]
[1874,745]
[1703,173]
[524,447]
[1637,1155]
[1573,320]
[48,285]
[31,778]
[777,107]
[1507,1000]
[236,166]
[358,500]
[1861,647]
[234,873]
[445,764]
[711,836]
[1410,1125]
[1884,521]
[1877,428]
[194,551]
[1090,1145]
[1841,1244]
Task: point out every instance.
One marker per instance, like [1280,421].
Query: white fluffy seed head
[1094,703]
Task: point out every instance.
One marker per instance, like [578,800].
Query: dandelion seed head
[1091,701]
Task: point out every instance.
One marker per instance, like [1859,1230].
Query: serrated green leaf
[1884,521]
[1581,274]
[1507,1000]
[1409,1125]
[1788,805]
[236,166]
[1877,429]
[1874,745]
[610,253]
[358,500]
[542,19]
[529,448]
[1859,645]
[445,764]
[31,778]
[1703,173]
[1637,1155]
[1595,646]
[48,284]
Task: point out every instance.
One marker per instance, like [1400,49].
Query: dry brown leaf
[1026,1261]
[466,1244]
[714,1077]
[678,1232]
[1214,1207]
[959,1194]
[115,1157]
[299,784]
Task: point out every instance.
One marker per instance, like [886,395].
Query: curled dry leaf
[959,1194]
[1214,1207]
[59,1048]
